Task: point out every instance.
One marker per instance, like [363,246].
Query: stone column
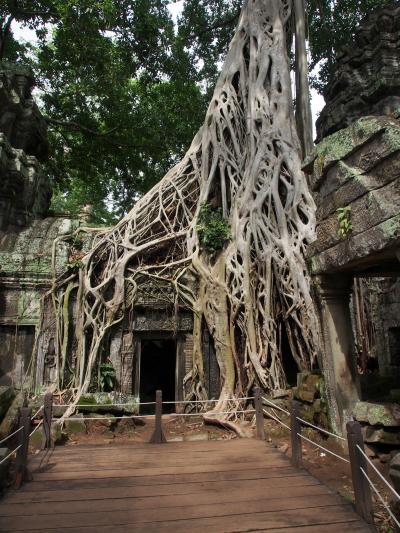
[339,355]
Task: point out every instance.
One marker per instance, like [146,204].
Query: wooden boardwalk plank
[138,491]
[126,502]
[221,486]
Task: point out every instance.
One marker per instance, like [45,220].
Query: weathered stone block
[375,414]
[7,395]
[4,467]
[308,387]
[10,419]
[367,211]
[357,248]
[365,78]
[104,425]
[394,472]
[75,426]
[374,435]
[307,412]
[108,402]
[126,425]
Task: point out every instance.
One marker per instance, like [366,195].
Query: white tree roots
[245,159]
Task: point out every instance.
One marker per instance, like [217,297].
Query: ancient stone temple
[150,349]
[366,80]
[355,178]
[27,232]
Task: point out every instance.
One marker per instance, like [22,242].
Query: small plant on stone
[107,377]
[212,228]
[344,218]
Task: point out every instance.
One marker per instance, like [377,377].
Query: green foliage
[331,25]
[119,92]
[124,91]
[212,228]
[344,218]
[74,263]
[107,377]
[207,26]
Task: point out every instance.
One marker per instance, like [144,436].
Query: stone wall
[357,169]
[387,323]
[25,191]
[26,273]
[366,78]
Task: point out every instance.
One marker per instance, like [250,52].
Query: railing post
[259,413]
[158,436]
[21,463]
[47,420]
[295,432]
[362,491]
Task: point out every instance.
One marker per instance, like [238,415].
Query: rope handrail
[95,405]
[151,403]
[149,416]
[249,411]
[36,428]
[209,401]
[272,404]
[276,419]
[373,487]
[10,454]
[37,412]
[11,435]
[323,448]
[379,474]
[320,429]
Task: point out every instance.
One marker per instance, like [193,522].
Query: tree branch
[79,127]
[215,26]
[75,126]
[4,33]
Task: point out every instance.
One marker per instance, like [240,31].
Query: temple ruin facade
[354,176]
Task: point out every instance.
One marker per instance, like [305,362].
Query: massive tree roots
[245,160]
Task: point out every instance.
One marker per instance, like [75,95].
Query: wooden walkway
[209,486]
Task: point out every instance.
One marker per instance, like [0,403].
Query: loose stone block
[7,395]
[75,426]
[387,415]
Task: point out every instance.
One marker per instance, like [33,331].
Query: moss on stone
[377,414]
[391,227]
[392,136]
[339,144]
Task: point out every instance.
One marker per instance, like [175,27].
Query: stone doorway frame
[179,361]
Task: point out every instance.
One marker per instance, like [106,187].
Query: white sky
[175,8]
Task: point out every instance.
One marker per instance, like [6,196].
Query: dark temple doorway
[157,372]
[289,364]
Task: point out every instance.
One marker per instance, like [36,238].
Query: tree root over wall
[245,159]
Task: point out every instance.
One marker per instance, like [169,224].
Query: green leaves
[125,91]
[107,377]
[119,93]
[331,25]
[212,228]
[344,218]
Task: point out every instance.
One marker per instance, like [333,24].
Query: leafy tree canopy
[124,90]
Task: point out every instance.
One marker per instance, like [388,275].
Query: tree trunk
[303,105]
[245,159]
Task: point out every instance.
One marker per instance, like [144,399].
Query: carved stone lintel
[334,287]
